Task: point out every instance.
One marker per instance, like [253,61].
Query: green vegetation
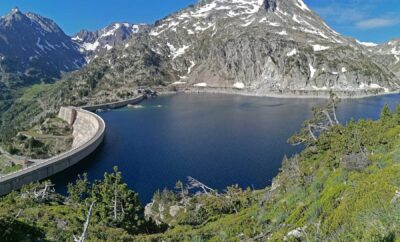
[27,108]
[342,187]
[42,141]
[8,165]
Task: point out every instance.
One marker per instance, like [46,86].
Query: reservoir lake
[218,139]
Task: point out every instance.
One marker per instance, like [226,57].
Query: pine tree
[385,113]
[80,190]
[116,204]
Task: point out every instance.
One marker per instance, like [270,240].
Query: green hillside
[342,187]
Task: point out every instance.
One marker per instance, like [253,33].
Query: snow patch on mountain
[368,44]
[317,48]
[292,53]
[239,85]
[312,70]
[201,84]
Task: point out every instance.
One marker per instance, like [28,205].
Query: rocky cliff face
[257,46]
[387,54]
[35,49]
[99,42]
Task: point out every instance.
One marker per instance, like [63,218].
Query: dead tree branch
[86,226]
[195,184]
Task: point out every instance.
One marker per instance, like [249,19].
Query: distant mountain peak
[15,10]
[14,15]
[105,39]
[37,43]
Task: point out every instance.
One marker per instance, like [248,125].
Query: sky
[367,20]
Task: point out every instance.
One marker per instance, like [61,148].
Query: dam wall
[68,114]
[114,105]
[88,133]
[85,127]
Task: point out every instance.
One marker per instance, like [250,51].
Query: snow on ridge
[203,11]
[90,46]
[135,28]
[77,38]
[111,31]
[368,44]
[302,5]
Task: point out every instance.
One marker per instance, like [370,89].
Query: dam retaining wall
[88,133]
[114,105]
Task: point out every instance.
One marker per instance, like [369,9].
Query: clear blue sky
[367,20]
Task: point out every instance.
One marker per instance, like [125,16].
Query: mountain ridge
[258,47]
[35,48]
[95,43]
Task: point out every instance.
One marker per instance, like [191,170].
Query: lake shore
[301,94]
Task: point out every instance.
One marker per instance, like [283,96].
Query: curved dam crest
[88,133]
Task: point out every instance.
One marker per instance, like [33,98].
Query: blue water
[218,139]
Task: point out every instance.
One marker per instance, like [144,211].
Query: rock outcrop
[257,46]
[95,43]
[387,54]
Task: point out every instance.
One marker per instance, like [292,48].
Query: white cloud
[358,14]
[377,23]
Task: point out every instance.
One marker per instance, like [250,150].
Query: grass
[34,91]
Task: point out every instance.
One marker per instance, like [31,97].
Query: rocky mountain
[98,42]
[388,54]
[261,47]
[35,49]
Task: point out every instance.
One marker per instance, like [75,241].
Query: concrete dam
[88,133]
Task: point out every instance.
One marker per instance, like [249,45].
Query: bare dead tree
[45,190]
[41,194]
[18,214]
[183,192]
[85,226]
[195,184]
[117,204]
[363,150]
[323,119]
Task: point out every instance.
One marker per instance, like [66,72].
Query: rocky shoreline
[303,94]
